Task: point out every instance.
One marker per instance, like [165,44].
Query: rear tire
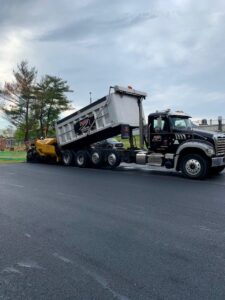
[30,156]
[113,159]
[217,170]
[67,157]
[194,166]
[96,158]
[82,159]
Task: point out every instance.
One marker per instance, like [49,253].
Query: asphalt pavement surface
[130,233]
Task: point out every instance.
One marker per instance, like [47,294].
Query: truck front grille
[220,149]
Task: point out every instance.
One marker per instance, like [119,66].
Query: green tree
[50,101]
[18,98]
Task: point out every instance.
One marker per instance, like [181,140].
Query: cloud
[187,98]
[172,49]
[95,26]
[13,12]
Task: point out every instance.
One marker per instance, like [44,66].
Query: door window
[159,125]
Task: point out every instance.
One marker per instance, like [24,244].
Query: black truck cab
[167,131]
[174,142]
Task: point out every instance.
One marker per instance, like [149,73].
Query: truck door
[159,133]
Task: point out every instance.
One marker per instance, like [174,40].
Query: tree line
[33,106]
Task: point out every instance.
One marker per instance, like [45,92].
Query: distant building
[212,124]
[2,144]
[6,143]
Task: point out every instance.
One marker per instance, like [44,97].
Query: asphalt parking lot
[131,233]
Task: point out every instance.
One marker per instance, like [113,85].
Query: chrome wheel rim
[193,167]
[80,160]
[66,158]
[95,158]
[112,159]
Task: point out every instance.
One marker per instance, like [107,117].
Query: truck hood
[208,134]
[204,133]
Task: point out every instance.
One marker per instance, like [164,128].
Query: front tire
[194,166]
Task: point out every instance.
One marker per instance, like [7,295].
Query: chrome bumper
[218,161]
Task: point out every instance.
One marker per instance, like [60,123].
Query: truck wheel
[216,170]
[113,159]
[194,166]
[30,155]
[82,159]
[96,158]
[67,157]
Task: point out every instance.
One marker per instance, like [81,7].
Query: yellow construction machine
[44,150]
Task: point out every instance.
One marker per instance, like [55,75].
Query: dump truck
[168,139]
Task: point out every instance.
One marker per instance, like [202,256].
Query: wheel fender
[194,145]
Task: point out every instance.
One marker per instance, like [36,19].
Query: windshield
[181,123]
[112,140]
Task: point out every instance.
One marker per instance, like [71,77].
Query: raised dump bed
[101,119]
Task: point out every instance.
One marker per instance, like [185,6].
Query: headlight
[210,151]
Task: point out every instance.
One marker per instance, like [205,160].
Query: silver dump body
[101,119]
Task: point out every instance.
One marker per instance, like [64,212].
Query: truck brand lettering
[83,126]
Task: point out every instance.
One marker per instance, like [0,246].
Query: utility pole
[90,97]
[220,126]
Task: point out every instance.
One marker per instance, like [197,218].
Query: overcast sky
[172,49]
